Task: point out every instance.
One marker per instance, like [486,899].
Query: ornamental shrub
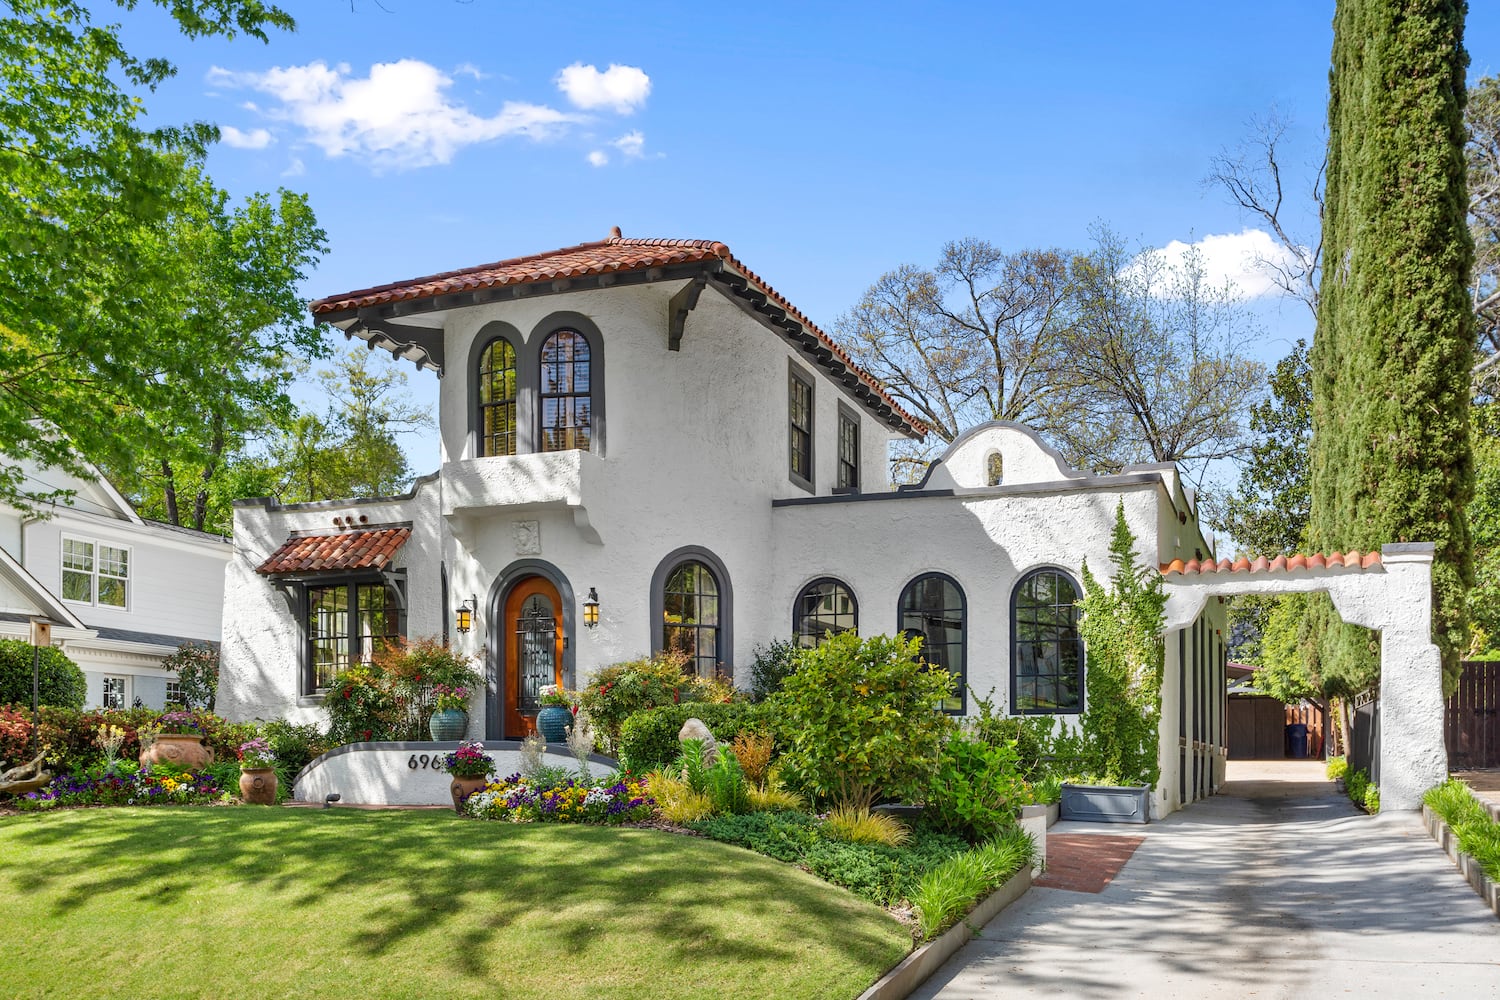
[62,682]
[860,720]
[617,692]
[197,667]
[976,790]
[648,739]
[1043,743]
[773,664]
[1122,633]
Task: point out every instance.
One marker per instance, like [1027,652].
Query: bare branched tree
[1156,359]
[1252,175]
[971,340]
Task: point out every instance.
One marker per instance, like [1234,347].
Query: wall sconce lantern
[466,614]
[591,609]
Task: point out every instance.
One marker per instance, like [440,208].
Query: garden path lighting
[591,609]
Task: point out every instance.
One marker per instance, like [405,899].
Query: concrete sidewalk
[1277,888]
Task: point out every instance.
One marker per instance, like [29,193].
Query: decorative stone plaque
[527,536]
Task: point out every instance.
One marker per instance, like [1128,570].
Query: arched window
[566,400]
[932,607]
[1046,662]
[994,469]
[690,616]
[824,606]
[497,398]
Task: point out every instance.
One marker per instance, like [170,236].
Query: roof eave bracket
[684,302]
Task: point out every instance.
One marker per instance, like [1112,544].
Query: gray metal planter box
[1106,803]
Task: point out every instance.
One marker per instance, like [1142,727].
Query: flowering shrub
[468,761]
[572,801]
[617,692]
[143,788]
[179,723]
[392,698]
[257,753]
[449,698]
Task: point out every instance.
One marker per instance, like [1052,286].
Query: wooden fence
[1471,720]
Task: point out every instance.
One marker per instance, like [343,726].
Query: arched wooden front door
[534,642]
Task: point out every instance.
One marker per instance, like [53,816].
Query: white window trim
[125,699]
[93,600]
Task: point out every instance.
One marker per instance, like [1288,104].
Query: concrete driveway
[1277,887]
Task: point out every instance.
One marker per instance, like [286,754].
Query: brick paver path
[1085,862]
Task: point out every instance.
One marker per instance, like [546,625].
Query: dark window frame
[353,584]
[571,394]
[848,471]
[1015,643]
[724,650]
[801,441]
[800,612]
[962,691]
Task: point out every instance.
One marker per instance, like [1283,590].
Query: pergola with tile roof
[1389,591]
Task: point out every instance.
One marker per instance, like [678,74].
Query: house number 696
[422,761]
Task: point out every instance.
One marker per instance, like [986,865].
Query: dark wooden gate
[1471,720]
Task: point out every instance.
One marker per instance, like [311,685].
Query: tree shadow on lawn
[476,880]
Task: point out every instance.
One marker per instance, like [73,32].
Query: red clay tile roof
[371,548]
[1344,561]
[616,253]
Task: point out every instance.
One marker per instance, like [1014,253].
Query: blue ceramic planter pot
[553,722]
[448,724]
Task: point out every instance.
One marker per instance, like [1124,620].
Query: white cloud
[469,69]
[620,88]
[254,139]
[400,116]
[632,145]
[598,157]
[1244,259]
[295,169]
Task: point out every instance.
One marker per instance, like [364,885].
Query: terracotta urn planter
[258,786]
[187,751]
[462,788]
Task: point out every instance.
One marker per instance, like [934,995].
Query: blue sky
[824,146]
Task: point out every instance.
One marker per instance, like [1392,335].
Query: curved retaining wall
[407,774]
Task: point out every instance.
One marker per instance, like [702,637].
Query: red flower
[367,734]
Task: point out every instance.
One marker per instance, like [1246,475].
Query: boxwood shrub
[648,740]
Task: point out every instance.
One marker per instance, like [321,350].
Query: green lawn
[265,902]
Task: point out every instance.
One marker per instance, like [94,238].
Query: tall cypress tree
[1391,458]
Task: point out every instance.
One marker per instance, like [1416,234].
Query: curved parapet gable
[408,774]
[1024,458]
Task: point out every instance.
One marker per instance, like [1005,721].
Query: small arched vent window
[994,469]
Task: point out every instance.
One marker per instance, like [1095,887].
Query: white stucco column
[1413,757]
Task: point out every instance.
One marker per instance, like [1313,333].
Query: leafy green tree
[86,346]
[1391,456]
[197,667]
[1126,654]
[235,295]
[61,681]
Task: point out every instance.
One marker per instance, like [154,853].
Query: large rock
[694,729]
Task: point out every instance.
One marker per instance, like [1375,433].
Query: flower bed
[570,801]
[156,788]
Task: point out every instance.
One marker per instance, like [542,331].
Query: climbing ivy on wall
[1125,654]
[1391,459]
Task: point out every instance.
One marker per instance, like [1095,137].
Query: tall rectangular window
[95,573]
[800,426]
[347,623]
[848,451]
[113,695]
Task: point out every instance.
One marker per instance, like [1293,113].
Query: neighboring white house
[122,592]
[646,432]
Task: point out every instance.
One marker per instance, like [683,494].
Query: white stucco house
[644,432]
[122,592]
